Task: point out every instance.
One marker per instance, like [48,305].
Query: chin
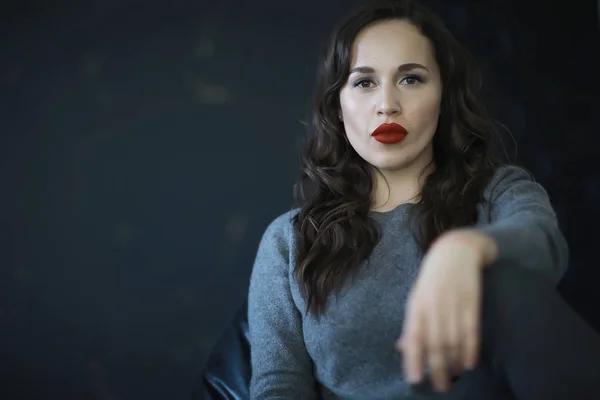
[389,163]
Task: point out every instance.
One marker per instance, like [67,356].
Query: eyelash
[415,77]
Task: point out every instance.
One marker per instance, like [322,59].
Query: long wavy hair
[335,187]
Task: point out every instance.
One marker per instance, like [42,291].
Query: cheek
[425,116]
[355,129]
[354,117]
[352,121]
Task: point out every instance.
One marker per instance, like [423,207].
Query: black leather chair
[226,375]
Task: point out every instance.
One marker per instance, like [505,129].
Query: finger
[412,352]
[471,340]
[436,352]
[411,344]
[471,328]
[454,348]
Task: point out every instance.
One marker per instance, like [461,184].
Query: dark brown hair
[334,191]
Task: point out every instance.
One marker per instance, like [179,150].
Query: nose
[388,103]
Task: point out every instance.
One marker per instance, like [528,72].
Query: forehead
[391,42]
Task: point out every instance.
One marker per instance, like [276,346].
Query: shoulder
[274,256]
[512,189]
[281,224]
[510,178]
[508,174]
[280,231]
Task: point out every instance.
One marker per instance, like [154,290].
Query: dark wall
[145,146]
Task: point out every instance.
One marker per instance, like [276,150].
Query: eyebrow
[402,68]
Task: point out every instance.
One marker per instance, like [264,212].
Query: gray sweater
[349,352]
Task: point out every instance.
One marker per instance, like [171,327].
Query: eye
[363,83]
[411,80]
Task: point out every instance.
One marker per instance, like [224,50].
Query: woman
[416,257]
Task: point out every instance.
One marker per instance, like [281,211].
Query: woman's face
[394,78]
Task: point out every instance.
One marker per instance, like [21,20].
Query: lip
[391,133]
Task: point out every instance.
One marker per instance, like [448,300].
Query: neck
[395,187]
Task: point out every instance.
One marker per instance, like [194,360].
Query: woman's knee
[513,292]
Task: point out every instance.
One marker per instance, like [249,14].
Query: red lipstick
[389,133]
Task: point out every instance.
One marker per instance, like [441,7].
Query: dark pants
[534,345]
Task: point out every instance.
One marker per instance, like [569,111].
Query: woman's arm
[281,366]
[523,224]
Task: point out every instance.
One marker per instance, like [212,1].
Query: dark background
[145,146]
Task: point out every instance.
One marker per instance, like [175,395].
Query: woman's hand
[441,325]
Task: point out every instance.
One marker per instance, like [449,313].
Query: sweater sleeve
[524,224]
[281,365]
